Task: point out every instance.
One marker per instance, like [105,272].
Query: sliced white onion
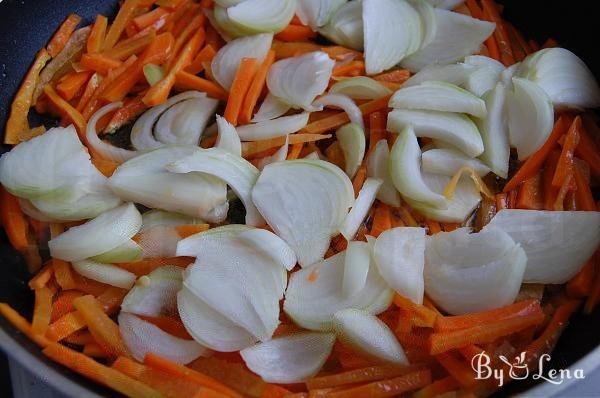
[271,108]
[449,161]
[428,20]
[557,243]
[344,102]
[155,218]
[146,180]
[494,131]
[97,236]
[272,246]
[31,211]
[312,156]
[298,80]
[263,15]
[104,149]
[156,295]
[392,30]
[105,273]
[361,207]
[530,117]
[189,246]
[289,359]
[356,267]
[225,64]
[405,170]
[236,171]
[351,138]
[279,127]
[509,73]
[378,167]
[346,26]
[184,122]
[305,202]
[486,76]
[456,36]
[228,3]
[127,252]
[142,337]
[446,4]
[564,77]
[369,335]
[457,74]
[467,273]
[399,255]
[316,13]
[315,294]
[360,87]
[456,129]
[278,156]
[227,28]
[228,138]
[158,242]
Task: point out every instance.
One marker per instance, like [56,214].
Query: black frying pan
[27,25]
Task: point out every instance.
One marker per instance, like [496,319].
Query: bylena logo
[518,369]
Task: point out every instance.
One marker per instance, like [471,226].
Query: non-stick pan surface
[26,26]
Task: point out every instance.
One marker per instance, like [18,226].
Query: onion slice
[271,246]
[105,273]
[351,138]
[457,74]
[378,167]
[316,13]
[360,87]
[279,127]
[155,294]
[494,131]
[449,161]
[362,205]
[184,122]
[263,15]
[344,102]
[346,26]
[129,251]
[105,149]
[356,267]
[271,108]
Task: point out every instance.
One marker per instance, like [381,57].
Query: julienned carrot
[474,9]
[395,76]
[561,196]
[63,304]
[256,88]
[420,315]
[239,88]
[382,220]
[252,148]
[518,50]
[67,111]
[88,92]
[94,350]
[186,373]
[19,109]
[585,198]
[388,387]
[352,68]
[589,151]
[42,310]
[71,84]
[124,16]
[62,35]
[42,277]
[377,128]
[550,43]
[581,284]
[205,55]
[501,34]
[97,34]
[99,63]
[132,108]
[21,323]
[187,81]
[144,267]
[531,193]
[129,47]
[191,28]
[341,53]
[13,220]
[63,274]
[458,322]
[359,179]
[550,192]
[457,368]
[433,227]
[147,19]
[437,388]
[362,375]
[533,163]
[169,324]
[295,151]
[190,229]
[104,375]
[564,167]
[292,49]
[295,33]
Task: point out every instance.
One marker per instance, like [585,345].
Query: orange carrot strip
[124,16]
[459,370]
[81,337]
[501,34]
[438,387]
[382,220]
[533,163]
[94,350]
[19,109]
[240,86]
[559,202]
[13,220]
[359,179]
[144,267]
[21,323]
[186,373]
[187,81]
[589,151]
[62,35]
[99,63]
[147,19]
[256,88]
[42,277]
[518,50]
[88,92]
[63,274]
[550,43]
[67,111]
[169,324]
[132,108]
[97,34]
[205,55]
[191,28]
[395,76]
[291,49]
[99,373]
[65,326]
[295,33]
[71,84]
[295,151]
[371,373]
[420,315]
[129,47]
[341,52]
[250,149]
[433,227]
[565,162]
[388,387]
[64,304]
[41,311]
[581,284]
[190,229]
[377,129]
[530,194]
[352,68]
[111,299]
[550,192]
[474,8]
[585,199]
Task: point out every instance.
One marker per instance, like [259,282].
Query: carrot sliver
[129,47]
[194,25]
[239,88]
[501,34]
[474,9]
[67,111]
[64,304]
[564,167]
[13,220]
[363,375]
[395,76]
[21,323]
[581,284]
[292,49]
[42,310]
[258,83]
[65,326]
[205,55]
[147,19]
[421,316]
[94,350]
[63,274]
[550,193]
[382,220]
[359,179]
[388,387]
[62,35]
[97,34]
[190,229]
[124,16]
[585,198]
[99,63]
[437,388]
[458,369]
[144,267]
[293,33]
[187,81]
[252,148]
[530,194]
[71,84]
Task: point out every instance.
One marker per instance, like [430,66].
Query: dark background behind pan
[27,25]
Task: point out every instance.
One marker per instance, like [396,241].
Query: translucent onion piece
[263,15]
[361,207]
[315,294]
[298,80]
[428,20]
[189,246]
[142,337]
[104,149]
[305,202]
[278,156]
[369,335]
[378,167]
[228,138]
[530,117]
[289,359]
[438,96]
[127,252]
[486,76]
[509,73]
[271,108]
[344,102]
[453,128]
[456,36]
[226,62]
[557,243]
[449,161]
[360,87]
[351,138]
[271,245]
[155,294]
[279,127]
[346,26]
[158,242]
[155,218]
[356,267]
[227,28]
[105,273]
[392,30]
[467,273]
[184,122]
[33,212]
[457,74]
[153,73]
[494,132]
[236,171]
[97,236]
[316,13]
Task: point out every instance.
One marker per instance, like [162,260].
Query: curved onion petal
[361,207]
[438,96]
[392,30]
[494,132]
[449,161]
[315,294]
[155,294]
[557,243]
[467,273]
[298,80]
[346,26]
[263,15]
[33,212]
[405,170]
[378,167]
[278,156]
[564,77]
[236,171]
[142,337]
[305,202]
[456,36]
[369,335]
[530,117]
[184,122]
[209,327]
[356,267]
[145,179]
[105,273]
[97,236]
[344,102]
[104,149]
[289,359]
[428,20]
[271,245]
[189,246]
[486,76]
[227,28]
[457,74]
[398,253]
[158,242]
[312,156]
[360,87]
[155,218]
[456,129]
[316,13]
[226,62]
[271,108]
[228,138]
[509,73]
[351,138]
[279,127]
[127,252]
